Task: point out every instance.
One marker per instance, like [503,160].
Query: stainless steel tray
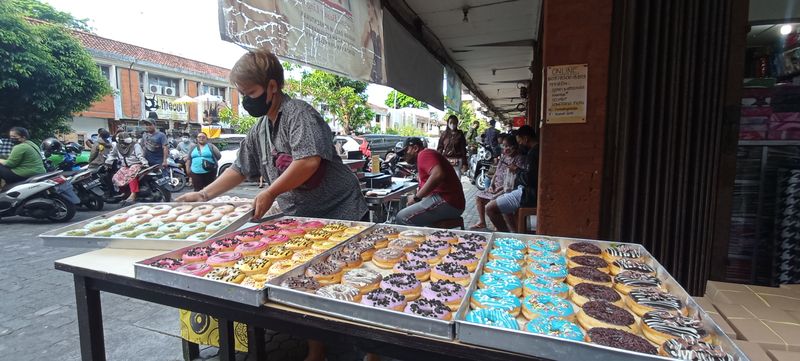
[224,290]
[54,237]
[353,311]
[555,348]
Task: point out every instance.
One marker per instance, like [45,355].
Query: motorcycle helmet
[73,147]
[50,146]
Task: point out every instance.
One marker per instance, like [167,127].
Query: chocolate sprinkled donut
[608,313]
[585,247]
[589,273]
[590,261]
[595,292]
[612,337]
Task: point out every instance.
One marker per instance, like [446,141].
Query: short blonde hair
[257,67]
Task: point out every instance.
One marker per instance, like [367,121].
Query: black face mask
[257,107]
[16,140]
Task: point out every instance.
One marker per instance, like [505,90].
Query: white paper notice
[566,93]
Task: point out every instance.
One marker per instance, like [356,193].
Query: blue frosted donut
[547,306]
[493,317]
[552,270]
[544,244]
[495,298]
[507,253]
[504,266]
[554,326]
[545,286]
[502,281]
[509,243]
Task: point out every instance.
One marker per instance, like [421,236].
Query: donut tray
[228,291]
[55,237]
[354,311]
[554,348]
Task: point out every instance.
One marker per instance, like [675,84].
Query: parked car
[380,144]
[345,144]
[228,145]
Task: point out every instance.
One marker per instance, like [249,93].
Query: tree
[38,10]
[344,98]
[242,123]
[45,74]
[403,101]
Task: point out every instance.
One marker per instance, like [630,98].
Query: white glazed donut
[181,210]
[139,210]
[159,209]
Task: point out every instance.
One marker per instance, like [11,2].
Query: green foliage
[344,98]
[466,117]
[403,101]
[45,75]
[408,131]
[242,124]
[38,10]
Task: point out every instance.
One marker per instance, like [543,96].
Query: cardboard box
[795,315]
[753,351]
[782,336]
[705,304]
[782,302]
[724,325]
[732,293]
[783,355]
[732,312]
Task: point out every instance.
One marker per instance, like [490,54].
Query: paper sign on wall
[566,93]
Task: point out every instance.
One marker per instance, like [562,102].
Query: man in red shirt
[439,195]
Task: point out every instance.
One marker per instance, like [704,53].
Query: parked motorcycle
[479,165]
[46,196]
[392,165]
[175,172]
[152,186]
[88,189]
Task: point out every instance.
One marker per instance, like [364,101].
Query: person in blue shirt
[202,162]
[154,142]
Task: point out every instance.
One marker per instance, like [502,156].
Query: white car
[228,145]
[344,144]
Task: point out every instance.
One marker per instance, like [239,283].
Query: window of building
[214,90]
[158,84]
[106,70]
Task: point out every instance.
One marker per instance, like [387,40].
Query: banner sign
[340,36]
[566,93]
[165,107]
[452,96]
[517,122]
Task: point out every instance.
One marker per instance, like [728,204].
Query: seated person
[503,179]
[501,210]
[439,195]
[25,159]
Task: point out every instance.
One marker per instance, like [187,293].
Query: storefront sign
[342,36]
[517,122]
[452,96]
[566,93]
[165,107]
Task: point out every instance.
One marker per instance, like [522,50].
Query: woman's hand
[192,197]
[262,203]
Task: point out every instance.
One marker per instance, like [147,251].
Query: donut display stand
[561,348]
[150,269]
[359,312]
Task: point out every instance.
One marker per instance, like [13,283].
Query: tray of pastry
[410,279]
[156,226]
[236,265]
[564,299]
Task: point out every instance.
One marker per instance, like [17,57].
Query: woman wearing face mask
[503,179]
[453,146]
[202,162]
[24,161]
[131,157]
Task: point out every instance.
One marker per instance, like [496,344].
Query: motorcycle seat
[33,179]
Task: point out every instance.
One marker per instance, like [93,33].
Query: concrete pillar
[571,163]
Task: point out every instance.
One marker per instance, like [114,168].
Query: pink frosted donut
[275,239]
[203,209]
[165,218]
[210,218]
[140,218]
[440,245]
[248,236]
[227,259]
[159,210]
[445,291]
[196,269]
[224,209]
[197,254]
[268,229]
[292,232]
[243,208]
[225,244]
[119,218]
[312,225]
[429,308]
[188,217]
[443,235]
[177,211]
[138,210]
[384,298]
[251,248]
[287,223]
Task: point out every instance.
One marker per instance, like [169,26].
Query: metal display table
[381,206]
[112,270]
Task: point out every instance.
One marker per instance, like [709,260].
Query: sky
[189,28]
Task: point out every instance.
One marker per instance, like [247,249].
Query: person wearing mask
[132,159]
[439,196]
[501,210]
[100,149]
[202,162]
[24,160]
[183,148]
[291,147]
[154,142]
[503,179]
[490,138]
[453,146]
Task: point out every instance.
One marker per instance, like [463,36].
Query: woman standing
[503,180]
[453,146]
[131,156]
[203,158]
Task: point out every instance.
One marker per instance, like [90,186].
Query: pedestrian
[100,149]
[491,140]
[132,158]
[292,148]
[501,210]
[24,160]
[440,195]
[154,142]
[202,162]
[453,146]
[183,148]
[503,179]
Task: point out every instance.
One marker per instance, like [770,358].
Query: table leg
[191,350]
[227,342]
[90,321]
[255,344]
